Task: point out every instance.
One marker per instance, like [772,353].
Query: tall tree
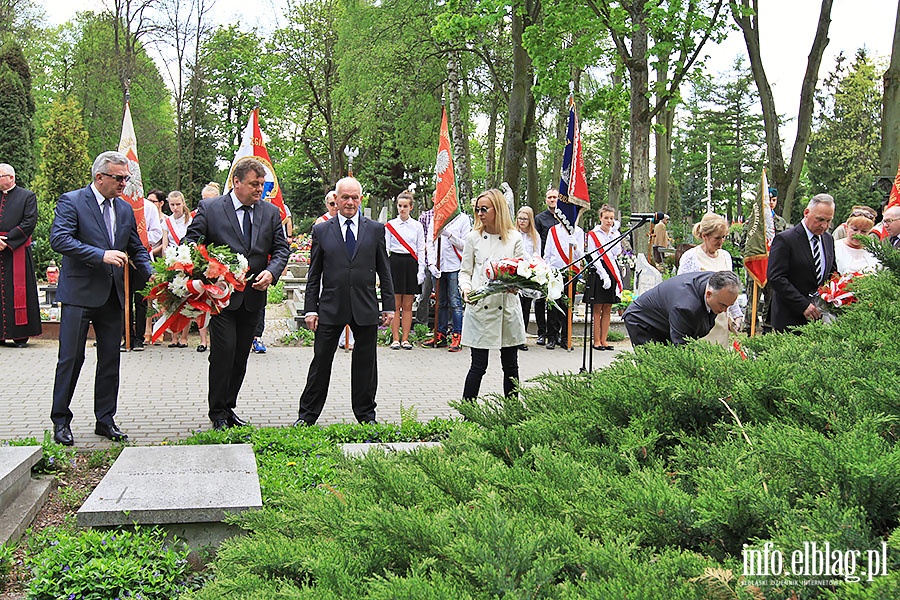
[785,178]
[890,120]
[844,143]
[675,31]
[16,112]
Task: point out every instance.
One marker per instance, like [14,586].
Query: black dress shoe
[235,421]
[541,340]
[20,343]
[302,423]
[550,345]
[137,346]
[62,434]
[220,424]
[111,432]
[524,347]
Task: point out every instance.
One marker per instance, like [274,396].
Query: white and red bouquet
[192,282]
[532,278]
[836,294]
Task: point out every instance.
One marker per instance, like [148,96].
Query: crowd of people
[364,274]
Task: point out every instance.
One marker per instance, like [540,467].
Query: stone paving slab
[174,484]
[162,392]
[358,450]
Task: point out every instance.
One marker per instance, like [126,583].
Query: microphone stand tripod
[587,358]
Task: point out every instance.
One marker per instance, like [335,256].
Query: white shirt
[551,253]
[112,207]
[354,227]
[151,220]
[240,213]
[453,237]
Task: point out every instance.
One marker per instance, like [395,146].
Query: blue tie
[350,239]
[247,226]
[107,218]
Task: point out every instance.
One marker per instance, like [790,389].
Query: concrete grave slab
[356,450]
[15,470]
[186,489]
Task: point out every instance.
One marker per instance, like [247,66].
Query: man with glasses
[800,260]
[20,313]
[95,231]
[891,223]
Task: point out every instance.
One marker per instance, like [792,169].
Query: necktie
[817,257]
[247,226]
[107,218]
[350,239]
[895,241]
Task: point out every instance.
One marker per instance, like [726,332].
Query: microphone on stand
[656,217]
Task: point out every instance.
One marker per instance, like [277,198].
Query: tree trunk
[639,110]
[890,118]
[616,132]
[531,163]
[785,179]
[664,123]
[460,142]
[518,102]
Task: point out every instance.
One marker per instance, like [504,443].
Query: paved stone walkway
[162,394]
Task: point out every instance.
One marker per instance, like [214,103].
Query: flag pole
[127,306]
[753,311]
[351,153]
[437,292]
[571,302]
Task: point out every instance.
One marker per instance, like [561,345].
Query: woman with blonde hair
[849,254]
[709,256]
[494,322]
[531,241]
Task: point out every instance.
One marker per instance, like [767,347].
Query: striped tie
[817,257]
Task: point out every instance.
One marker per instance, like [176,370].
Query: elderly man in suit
[347,252]
[800,260]
[684,306]
[20,312]
[252,228]
[95,231]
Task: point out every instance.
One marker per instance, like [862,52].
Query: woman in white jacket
[495,321]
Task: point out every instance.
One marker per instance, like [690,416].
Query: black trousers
[558,322]
[363,372]
[73,328]
[509,360]
[232,331]
[138,323]
[540,313]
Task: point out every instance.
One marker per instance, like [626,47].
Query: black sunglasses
[119,178]
[482,209]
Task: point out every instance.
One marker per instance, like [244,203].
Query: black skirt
[594,293]
[404,273]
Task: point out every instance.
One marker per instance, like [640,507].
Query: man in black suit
[347,252]
[95,231]
[681,307]
[544,221]
[20,311]
[252,228]
[800,260]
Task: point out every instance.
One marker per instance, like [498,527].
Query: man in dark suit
[544,221]
[681,307]
[800,260]
[95,231]
[347,252]
[20,311]
[252,228]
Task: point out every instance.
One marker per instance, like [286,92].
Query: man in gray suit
[682,307]
[252,228]
[95,231]
[347,251]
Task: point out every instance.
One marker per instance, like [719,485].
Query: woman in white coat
[495,321]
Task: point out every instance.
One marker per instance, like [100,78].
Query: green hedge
[648,479]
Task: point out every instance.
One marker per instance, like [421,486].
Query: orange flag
[446,202]
[895,191]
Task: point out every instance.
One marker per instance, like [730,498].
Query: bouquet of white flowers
[530,277]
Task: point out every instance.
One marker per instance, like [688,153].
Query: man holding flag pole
[573,196]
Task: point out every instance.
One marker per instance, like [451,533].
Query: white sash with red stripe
[562,253]
[607,261]
[402,241]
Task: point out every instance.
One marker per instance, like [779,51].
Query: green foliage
[90,563]
[6,564]
[55,458]
[645,480]
[275,293]
[16,112]
[301,337]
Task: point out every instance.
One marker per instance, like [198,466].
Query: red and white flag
[134,189]
[446,201]
[253,146]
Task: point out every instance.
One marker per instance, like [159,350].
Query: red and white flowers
[530,277]
[193,281]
